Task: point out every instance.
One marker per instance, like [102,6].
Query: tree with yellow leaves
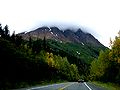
[107,66]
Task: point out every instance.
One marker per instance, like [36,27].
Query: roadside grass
[108,86]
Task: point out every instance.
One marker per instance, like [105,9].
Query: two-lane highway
[68,86]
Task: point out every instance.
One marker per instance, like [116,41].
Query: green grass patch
[108,86]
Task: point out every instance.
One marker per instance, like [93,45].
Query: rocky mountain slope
[67,35]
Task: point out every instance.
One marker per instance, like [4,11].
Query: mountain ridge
[68,35]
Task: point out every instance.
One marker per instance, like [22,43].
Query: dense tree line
[30,61]
[76,53]
[107,67]
[38,60]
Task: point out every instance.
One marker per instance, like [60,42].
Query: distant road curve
[67,86]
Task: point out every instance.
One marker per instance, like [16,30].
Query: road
[68,86]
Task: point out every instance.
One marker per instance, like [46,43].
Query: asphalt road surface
[68,86]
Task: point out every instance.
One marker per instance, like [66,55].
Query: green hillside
[85,52]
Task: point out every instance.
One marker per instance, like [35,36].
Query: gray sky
[100,17]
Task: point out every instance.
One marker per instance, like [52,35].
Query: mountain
[80,48]
[60,55]
[76,45]
[67,35]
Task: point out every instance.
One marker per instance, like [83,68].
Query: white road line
[66,86]
[87,86]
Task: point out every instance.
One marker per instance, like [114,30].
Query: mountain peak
[67,35]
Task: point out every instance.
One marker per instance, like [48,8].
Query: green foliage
[84,52]
[29,61]
[62,67]
[107,86]
[47,60]
[74,72]
[107,67]
[4,32]
[99,67]
[76,53]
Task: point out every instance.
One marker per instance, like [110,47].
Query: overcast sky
[99,17]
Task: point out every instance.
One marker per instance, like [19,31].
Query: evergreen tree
[13,37]
[18,40]
[44,43]
[6,30]
[1,31]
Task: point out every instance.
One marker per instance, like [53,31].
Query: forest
[26,62]
[107,67]
[29,62]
